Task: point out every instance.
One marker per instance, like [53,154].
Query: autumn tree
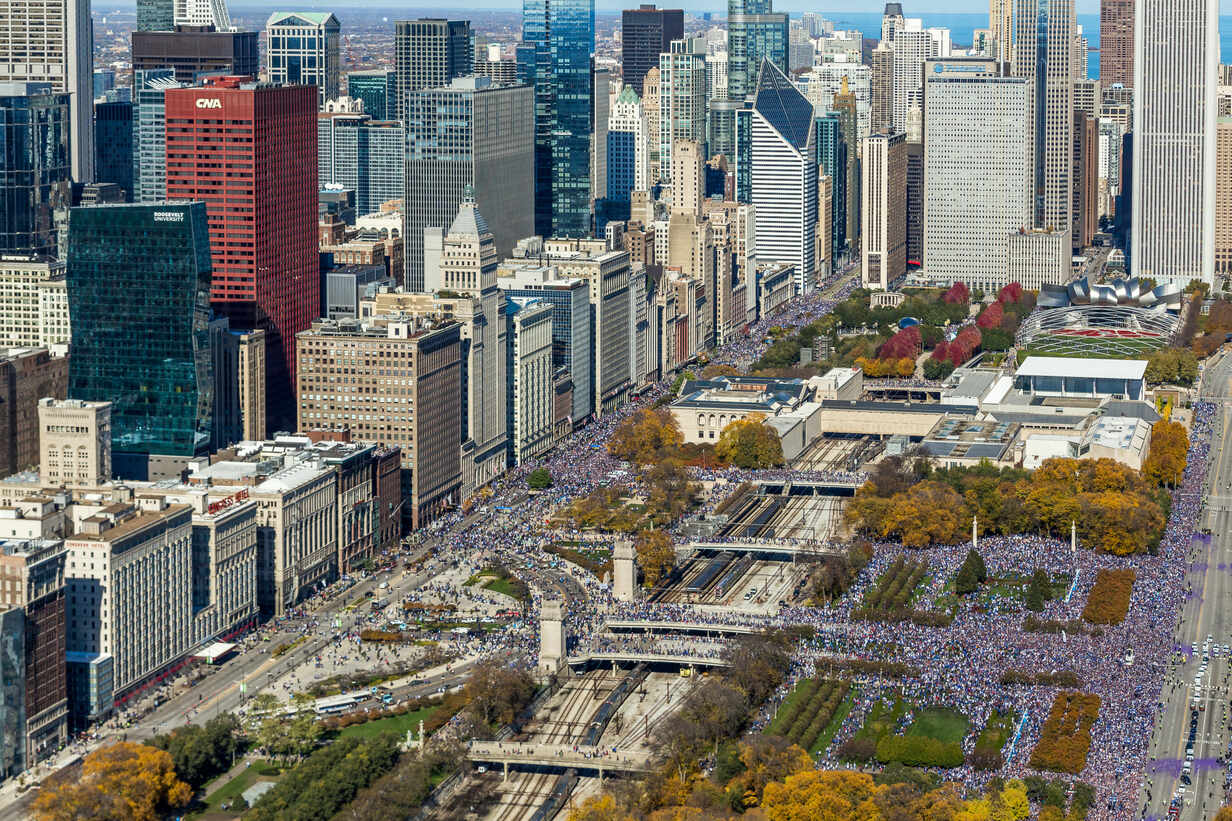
[602,807]
[646,437]
[1165,462]
[832,795]
[121,781]
[767,759]
[496,692]
[656,555]
[750,444]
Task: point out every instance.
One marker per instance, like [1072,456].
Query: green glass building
[138,292]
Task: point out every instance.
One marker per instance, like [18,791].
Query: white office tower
[203,13]
[301,48]
[51,41]
[826,80]
[783,175]
[975,168]
[1043,56]
[1176,46]
[682,97]
[716,75]
[628,117]
[1001,29]
[913,44]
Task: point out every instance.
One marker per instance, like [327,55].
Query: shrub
[1065,738]
[1108,601]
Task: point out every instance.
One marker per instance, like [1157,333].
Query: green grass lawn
[940,723]
[840,715]
[229,791]
[500,586]
[394,724]
[997,731]
[882,718]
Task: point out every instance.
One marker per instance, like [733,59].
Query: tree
[957,295]
[1165,463]
[496,692]
[767,759]
[1038,591]
[646,437]
[656,555]
[750,444]
[539,479]
[971,575]
[600,807]
[991,316]
[906,367]
[834,795]
[200,753]
[120,781]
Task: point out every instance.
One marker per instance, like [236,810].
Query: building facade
[26,376]
[74,442]
[428,53]
[1116,43]
[113,145]
[190,52]
[1176,52]
[530,420]
[139,280]
[366,155]
[975,161]
[468,134]
[36,165]
[884,211]
[52,43]
[259,282]
[645,33]
[301,47]
[378,89]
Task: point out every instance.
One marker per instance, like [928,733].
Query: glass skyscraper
[832,160]
[754,33]
[35,166]
[113,145]
[139,303]
[560,35]
[377,89]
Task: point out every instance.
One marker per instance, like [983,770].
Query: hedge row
[1060,678]
[1066,736]
[1108,601]
[894,588]
[813,710]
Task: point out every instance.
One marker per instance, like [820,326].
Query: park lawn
[840,715]
[394,724]
[941,723]
[775,727]
[997,731]
[254,772]
[882,718]
[499,585]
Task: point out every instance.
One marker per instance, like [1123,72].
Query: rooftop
[1058,366]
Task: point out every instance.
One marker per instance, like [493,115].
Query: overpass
[763,549]
[668,659]
[804,486]
[558,756]
[650,626]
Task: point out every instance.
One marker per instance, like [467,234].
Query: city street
[1207,612]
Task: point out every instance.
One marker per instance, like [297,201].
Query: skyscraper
[203,14]
[262,207]
[1043,56]
[881,94]
[52,42]
[150,133]
[1176,48]
[754,33]
[628,159]
[34,166]
[1116,43]
[155,15]
[783,176]
[469,133]
[138,285]
[884,212]
[378,90]
[302,47]
[976,119]
[682,97]
[645,33]
[363,154]
[196,51]
[832,161]
[560,36]
[1001,28]
[429,53]
[113,144]
[912,46]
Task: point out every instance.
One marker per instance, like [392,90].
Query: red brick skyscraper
[1116,43]
[249,151]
